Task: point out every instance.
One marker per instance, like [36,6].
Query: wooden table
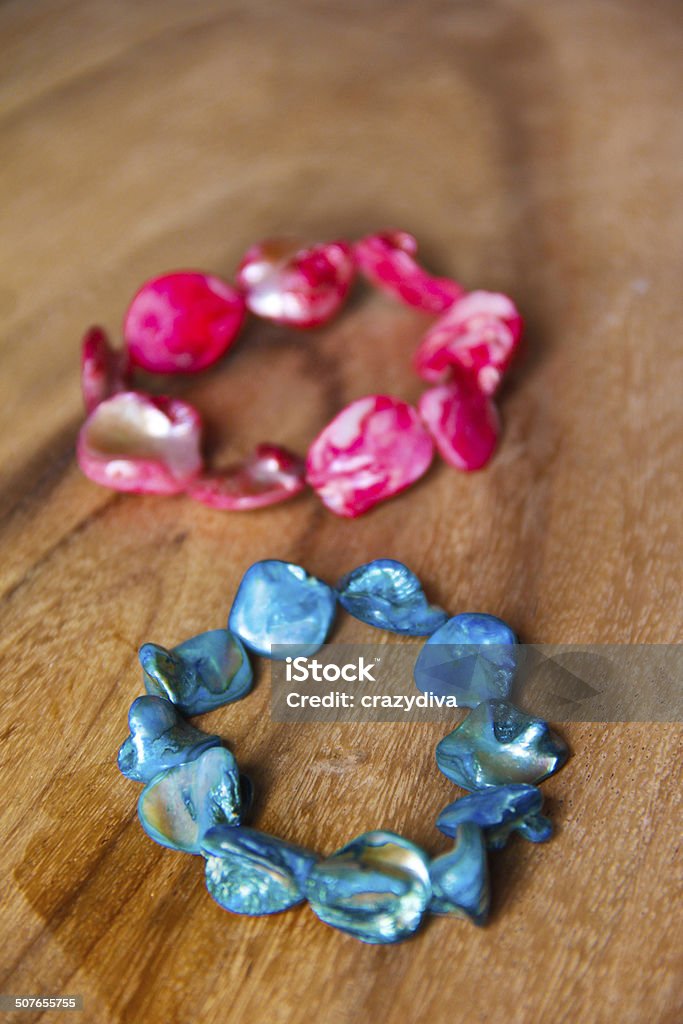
[534,148]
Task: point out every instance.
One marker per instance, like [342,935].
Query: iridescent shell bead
[499,811]
[386,594]
[476,338]
[178,807]
[249,872]
[296,284]
[498,744]
[160,738]
[269,475]
[278,603]
[460,877]
[464,423]
[388,261]
[104,370]
[182,322]
[373,449]
[201,674]
[472,657]
[143,443]
[375,888]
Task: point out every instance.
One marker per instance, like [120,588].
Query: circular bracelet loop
[379,886]
[374,448]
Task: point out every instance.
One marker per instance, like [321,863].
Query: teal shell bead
[388,595]
[160,738]
[179,806]
[472,657]
[460,878]
[498,744]
[201,674]
[279,603]
[249,872]
[499,810]
[375,888]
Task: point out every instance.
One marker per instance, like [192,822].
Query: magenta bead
[479,336]
[372,449]
[387,261]
[463,422]
[137,442]
[182,322]
[270,475]
[104,369]
[289,283]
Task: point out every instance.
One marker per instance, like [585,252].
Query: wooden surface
[534,147]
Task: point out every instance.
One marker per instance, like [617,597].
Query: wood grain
[532,147]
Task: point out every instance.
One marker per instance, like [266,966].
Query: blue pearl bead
[279,603]
[498,810]
[472,657]
[179,806]
[375,888]
[386,594]
[498,744]
[249,872]
[200,674]
[460,878]
[159,739]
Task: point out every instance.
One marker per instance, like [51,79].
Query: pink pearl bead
[182,322]
[270,475]
[372,449]
[386,259]
[136,442]
[463,422]
[479,335]
[291,284]
[104,369]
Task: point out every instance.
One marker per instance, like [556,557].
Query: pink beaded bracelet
[374,448]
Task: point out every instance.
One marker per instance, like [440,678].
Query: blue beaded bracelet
[379,886]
